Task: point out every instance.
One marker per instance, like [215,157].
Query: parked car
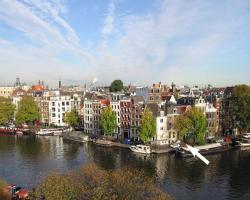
[127,141]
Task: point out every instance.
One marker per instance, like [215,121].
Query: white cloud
[109,20]
[163,44]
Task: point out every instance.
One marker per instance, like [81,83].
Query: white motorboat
[246,135]
[175,145]
[245,143]
[140,149]
[45,132]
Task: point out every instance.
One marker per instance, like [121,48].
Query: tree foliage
[72,118]
[28,111]
[116,86]
[240,107]
[56,186]
[108,120]
[93,183]
[193,124]
[6,110]
[4,195]
[147,129]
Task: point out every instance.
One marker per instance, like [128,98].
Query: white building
[88,116]
[200,104]
[6,91]
[61,104]
[116,108]
[161,137]
[165,133]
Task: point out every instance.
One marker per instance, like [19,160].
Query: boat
[4,130]
[246,135]
[175,145]
[17,192]
[19,133]
[204,149]
[45,132]
[141,149]
[58,132]
[244,144]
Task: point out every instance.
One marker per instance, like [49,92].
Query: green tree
[240,107]
[28,111]
[108,120]
[193,124]
[116,86]
[72,118]
[147,129]
[6,110]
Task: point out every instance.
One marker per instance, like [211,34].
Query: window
[53,114]
[161,120]
[161,128]
[53,109]
[67,103]
[53,103]
[63,103]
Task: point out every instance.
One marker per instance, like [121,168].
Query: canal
[27,160]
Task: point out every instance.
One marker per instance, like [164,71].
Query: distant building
[142,91]
[6,91]
[157,92]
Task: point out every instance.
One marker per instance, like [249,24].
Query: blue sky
[138,41]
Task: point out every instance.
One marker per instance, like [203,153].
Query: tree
[28,111]
[4,195]
[72,118]
[116,86]
[147,129]
[56,186]
[93,183]
[6,110]
[108,120]
[240,107]
[193,124]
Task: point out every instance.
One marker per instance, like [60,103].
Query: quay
[80,137]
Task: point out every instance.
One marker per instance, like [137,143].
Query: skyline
[188,42]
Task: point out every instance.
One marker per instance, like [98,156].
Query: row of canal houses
[129,106]
[160,99]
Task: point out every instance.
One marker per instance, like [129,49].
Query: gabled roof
[154,108]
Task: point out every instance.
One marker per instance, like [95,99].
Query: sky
[194,42]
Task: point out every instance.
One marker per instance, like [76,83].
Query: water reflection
[6,143]
[26,160]
[71,151]
[31,146]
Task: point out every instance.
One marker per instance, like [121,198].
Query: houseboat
[204,149]
[4,130]
[141,149]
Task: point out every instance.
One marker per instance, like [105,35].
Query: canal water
[27,160]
